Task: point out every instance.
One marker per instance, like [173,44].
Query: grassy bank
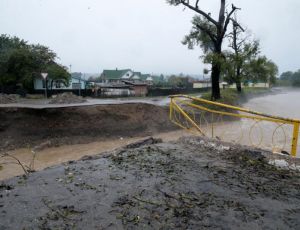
[232,97]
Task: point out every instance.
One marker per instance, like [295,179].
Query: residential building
[74,83]
[117,76]
[202,84]
[140,89]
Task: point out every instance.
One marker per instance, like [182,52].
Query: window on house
[76,85]
[57,85]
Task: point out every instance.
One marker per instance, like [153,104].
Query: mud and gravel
[67,98]
[192,183]
[8,98]
[22,127]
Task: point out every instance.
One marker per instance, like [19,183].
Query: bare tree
[215,30]
[237,45]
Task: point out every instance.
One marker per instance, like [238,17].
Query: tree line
[290,78]
[243,62]
[21,62]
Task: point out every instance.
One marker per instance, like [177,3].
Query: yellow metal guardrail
[202,117]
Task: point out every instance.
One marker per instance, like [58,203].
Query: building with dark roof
[116,76]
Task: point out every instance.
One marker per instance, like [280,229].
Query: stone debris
[8,98]
[284,164]
[66,98]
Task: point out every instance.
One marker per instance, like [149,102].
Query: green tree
[292,78]
[261,69]
[287,76]
[296,78]
[237,64]
[209,34]
[244,62]
[21,62]
[179,81]
[58,73]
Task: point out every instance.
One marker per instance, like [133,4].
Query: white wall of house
[76,81]
[73,84]
[38,84]
[201,85]
[252,85]
[127,75]
[117,92]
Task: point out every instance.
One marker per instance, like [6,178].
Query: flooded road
[263,134]
[285,104]
[44,103]
[251,131]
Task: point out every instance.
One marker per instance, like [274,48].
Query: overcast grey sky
[144,35]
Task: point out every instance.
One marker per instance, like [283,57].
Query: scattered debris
[67,98]
[42,146]
[147,141]
[280,163]
[8,98]
[183,184]
[284,164]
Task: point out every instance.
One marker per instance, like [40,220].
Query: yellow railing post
[171,108]
[212,125]
[295,139]
[249,114]
[188,118]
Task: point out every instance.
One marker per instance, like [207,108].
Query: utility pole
[80,84]
[45,75]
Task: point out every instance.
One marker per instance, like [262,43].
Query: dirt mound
[8,98]
[67,98]
[78,125]
[189,184]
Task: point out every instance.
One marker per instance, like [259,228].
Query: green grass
[230,97]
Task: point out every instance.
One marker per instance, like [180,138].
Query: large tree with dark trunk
[209,33]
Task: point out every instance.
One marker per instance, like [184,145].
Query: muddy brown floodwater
[267,135]
[118,129]
[50,156]
[285,104]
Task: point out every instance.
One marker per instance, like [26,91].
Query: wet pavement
[44,103]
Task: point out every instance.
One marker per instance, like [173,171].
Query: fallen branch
[147,201]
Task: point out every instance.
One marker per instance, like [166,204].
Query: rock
[280,163]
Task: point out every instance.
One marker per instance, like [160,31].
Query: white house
[74,83]
[202,84]
[251,85]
